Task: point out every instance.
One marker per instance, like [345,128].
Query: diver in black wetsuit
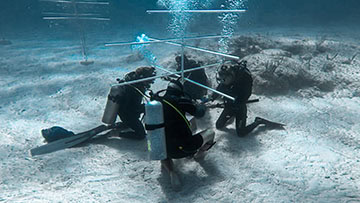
[129,106]
[179,139]
[180,142]
[235,80]
[195,91]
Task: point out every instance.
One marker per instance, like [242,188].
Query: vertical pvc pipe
[182,60]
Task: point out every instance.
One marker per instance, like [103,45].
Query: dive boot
[175,181]
[168,165]
[200,155]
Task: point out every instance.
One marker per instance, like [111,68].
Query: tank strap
[154,126]
[178,111]
[158,97]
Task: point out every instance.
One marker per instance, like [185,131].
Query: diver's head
[141,73]
[178,59]
[145,72]
[225,74]
[242,65]
[175,87]
[230,71]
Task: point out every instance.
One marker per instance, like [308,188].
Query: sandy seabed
[309,81]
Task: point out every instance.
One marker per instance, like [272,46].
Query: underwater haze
[60,58]
[26,14]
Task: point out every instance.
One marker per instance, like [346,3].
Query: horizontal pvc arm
[164,40]
[200,49]
[74,18]
[198,84]
[177,74]
[198,11]
[78,2]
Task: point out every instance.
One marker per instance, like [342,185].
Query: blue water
[24,15]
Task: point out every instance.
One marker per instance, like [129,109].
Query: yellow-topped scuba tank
[111,109]
[154,124]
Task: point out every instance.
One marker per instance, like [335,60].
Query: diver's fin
[270,124]
[70,141]
[59,145]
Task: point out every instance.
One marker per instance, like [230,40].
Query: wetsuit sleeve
[219,88]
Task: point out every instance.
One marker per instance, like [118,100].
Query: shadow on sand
[194,177]
[123,145]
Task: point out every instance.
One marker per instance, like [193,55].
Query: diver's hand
[214,105]
[200,110]
[206,99]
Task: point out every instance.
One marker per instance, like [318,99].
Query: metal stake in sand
[82,37]
[78,17]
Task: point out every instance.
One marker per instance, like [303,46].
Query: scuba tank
[154,124]
[111,108]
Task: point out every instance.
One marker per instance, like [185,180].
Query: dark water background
[26,15]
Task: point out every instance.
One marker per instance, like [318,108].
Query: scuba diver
[180,141]
[235,80]
[126,102]
[195,91]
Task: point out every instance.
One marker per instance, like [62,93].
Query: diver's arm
[188,106]
[213,95]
